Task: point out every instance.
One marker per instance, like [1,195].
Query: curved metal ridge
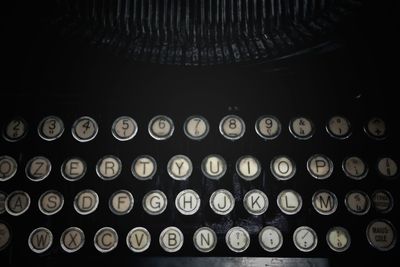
[205,32]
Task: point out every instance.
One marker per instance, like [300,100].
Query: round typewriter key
[73,169]
[196,127]
[51,128]
[38,168]
[339,127]
[51,202]
[205,239]
[388,168]
[320,166]
[5,235]
[187,202]
[376,128]
[383,201]
[121,202]
[381,235]
[248,167]
[8,168]
[124,128]
[213,167]
[108,167]
[305,239]
[138,239]
[180,167]
[72,239]
[301,128]
[324,202]
[268,127]
[3,197]
[106,239]
[255,202]
[270,238]
[355,168]
[357,202]
[155,202]
[144,167]
[171,239]
[289,202]
[85,129]
[86,202]
[222,202]
[338,239]
[237,239]
[283,168]
[161,127]
[15,130]
[40,240]
[232,127]
[17,203]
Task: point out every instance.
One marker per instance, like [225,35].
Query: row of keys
[188,201]
[380,234]
[180,167]
[196,127]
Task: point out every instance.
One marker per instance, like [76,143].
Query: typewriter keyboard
[194,187]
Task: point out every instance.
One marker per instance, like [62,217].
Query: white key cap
[305,239]
[138,239]
[121,202]
[222,202]
[196,127]
[15,130]
[72,239]
[248,167]
[155,202]
[213,167]
[40,240]
[376,128]
[171,239]
[388,168]
[383,201]
[357,202]
[301,128]
[320,166]
[51,128]
[205,239]
[8,168]
[86,202]
[17,203]
[187,202]
[232,127]
[324,202]
[180,167]
[338,239]
[289,201]
[255,202]
[38,168]
[106,239]
[283,167]
[161,127]
[109,167]
[5,235]
[51,202]
[237,239]
[73,169]
[381,235]
[3,197]
[355,168]
[270,238]
[144,167]
[268,127]
[85,129]
[124,128]
[339,127]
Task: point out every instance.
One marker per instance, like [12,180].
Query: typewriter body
[107,161]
